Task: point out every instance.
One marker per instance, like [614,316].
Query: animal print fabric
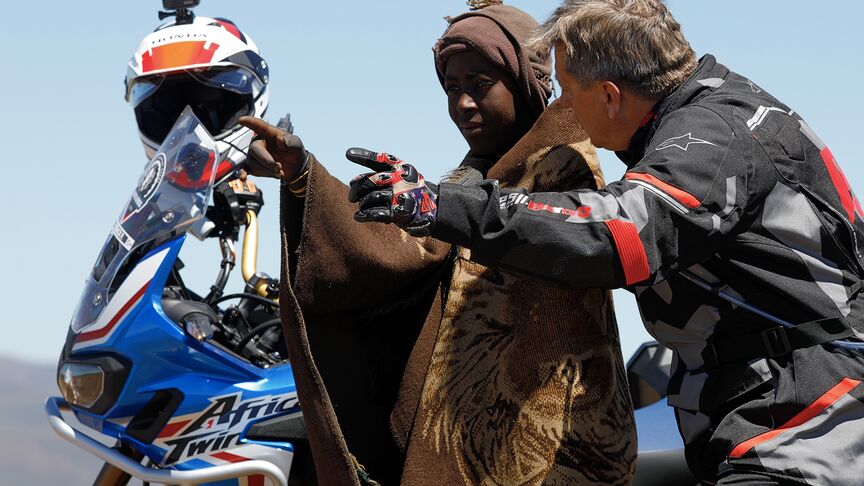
[526,383]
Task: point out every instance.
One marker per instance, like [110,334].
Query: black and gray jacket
[732,216]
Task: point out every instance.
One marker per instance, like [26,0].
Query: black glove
[396,193]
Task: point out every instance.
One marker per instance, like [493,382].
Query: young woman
[426,366]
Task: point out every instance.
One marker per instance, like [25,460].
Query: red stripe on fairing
[679,195]
[228,457]
[634,261]
[257,480]
[254,480]
[172,428]
[99,333]
[814,409]
[847,199]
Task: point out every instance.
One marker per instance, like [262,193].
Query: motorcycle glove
[396,193]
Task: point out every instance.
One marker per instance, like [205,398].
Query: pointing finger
[379,162]
[259,126]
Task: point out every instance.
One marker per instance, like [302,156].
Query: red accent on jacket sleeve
[847,199]
[634,261]
[845,386]
[679,195]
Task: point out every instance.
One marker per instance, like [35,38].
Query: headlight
[93,382]
[81,384]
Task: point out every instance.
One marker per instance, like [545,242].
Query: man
[482,377]
[733,225]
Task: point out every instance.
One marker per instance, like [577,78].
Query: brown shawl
[506,381]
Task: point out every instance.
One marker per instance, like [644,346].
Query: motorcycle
[193,390]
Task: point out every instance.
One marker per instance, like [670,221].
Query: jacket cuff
[459,211]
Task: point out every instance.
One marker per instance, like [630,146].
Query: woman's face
[485,104]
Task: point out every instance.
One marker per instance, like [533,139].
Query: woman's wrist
[297,184]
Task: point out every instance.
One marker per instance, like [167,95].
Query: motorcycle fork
[111,475]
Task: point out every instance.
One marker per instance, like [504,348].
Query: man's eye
[485,84]
[451,88]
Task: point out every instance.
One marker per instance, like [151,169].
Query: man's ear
[611,98]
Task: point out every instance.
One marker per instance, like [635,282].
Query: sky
[351,74]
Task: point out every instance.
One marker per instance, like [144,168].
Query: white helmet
[208,64]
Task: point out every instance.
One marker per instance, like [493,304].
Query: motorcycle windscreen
[171,194]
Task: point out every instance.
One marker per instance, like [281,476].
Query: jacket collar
[695,87]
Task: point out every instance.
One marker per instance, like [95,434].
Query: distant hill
[30,452]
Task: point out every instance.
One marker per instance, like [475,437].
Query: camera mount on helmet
[180,9]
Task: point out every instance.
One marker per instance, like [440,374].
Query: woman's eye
[485,84]
[451,88]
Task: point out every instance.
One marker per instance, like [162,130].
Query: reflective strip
[760,116]
[711,82]
[812,411]
[662,195]
[634,261]
[679,195]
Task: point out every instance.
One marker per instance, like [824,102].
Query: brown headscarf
[498,32]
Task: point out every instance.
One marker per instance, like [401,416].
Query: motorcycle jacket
[733,216]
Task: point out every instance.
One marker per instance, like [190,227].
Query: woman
[437,369]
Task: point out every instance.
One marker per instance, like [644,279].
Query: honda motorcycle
[194,389]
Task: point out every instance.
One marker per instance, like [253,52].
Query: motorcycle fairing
[219,395]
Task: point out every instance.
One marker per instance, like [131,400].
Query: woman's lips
[471,128]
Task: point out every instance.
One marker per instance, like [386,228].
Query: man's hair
[636,43]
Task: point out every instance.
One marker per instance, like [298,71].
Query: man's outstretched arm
[669,211]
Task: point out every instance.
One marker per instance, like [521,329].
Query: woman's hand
[273,152]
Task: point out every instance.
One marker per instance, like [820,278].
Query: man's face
[585,102]
[485,104]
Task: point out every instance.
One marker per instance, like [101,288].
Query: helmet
[208,64]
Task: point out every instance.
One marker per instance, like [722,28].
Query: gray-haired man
[733,225]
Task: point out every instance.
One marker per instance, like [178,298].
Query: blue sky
[351,74]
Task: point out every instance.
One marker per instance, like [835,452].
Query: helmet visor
[236,80]
[219,97]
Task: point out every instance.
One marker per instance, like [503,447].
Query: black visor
[218,109]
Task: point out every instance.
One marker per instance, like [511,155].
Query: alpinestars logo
[220,425]
[683,142]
